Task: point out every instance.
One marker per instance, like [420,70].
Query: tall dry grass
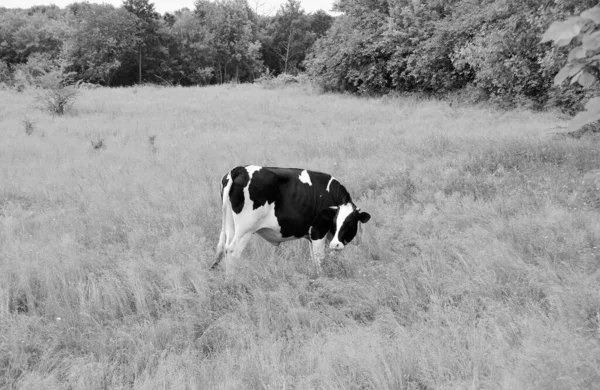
[479,268]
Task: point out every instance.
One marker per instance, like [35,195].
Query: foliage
[57,94]
[373,47]
[149,47]
[348,58]
[442,46]
[100,39]
[268,81]
[320,22]
[5,76]
[190,49]
[288,36]
[25,33]
[29,73]
[236,50]
[583,61]
[216,42]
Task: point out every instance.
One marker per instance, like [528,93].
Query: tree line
[489,48]
[485,49]
[218,41]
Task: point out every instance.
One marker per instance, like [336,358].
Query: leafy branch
[583,61]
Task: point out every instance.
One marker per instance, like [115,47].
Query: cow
[283,204]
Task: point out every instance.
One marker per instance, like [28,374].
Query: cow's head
[341,222]
[346,224]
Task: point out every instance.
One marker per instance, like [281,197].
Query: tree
[147,27]
[287,37]
[231,31]
[438,46]
[23,32]
[169,19]
[320,22]
[192,54]
[100,39]
[354,53]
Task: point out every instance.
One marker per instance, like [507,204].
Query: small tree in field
[57,94]
[583,63]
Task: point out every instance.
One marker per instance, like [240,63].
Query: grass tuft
[98,144]
[29,126]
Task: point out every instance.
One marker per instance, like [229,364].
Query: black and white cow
[282,204]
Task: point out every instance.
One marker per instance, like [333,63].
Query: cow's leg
[234,250]
[317,252]
[220,249]
[226,236]
[227,222]
[229,228]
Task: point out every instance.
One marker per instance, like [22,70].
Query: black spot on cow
[263,188]
[339,192]
[240,178]
[323,224]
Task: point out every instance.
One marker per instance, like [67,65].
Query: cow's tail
[226,220]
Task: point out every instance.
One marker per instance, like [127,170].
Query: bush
[57,94]
[29,126]
[269,82]
[439,47]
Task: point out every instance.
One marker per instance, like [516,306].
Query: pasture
[480,267]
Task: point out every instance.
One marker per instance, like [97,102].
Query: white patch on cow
[227,228]
[269,228]
[343,213]
[305,178]
[261,220]
[328,184]
[251,169]
[247,222]
[249,219]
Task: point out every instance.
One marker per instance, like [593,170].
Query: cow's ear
[364,217]
[323,223]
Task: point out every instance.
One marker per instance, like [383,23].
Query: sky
[172,5]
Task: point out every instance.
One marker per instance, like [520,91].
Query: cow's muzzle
[336,246]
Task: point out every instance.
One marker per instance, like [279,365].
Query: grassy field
[480,267]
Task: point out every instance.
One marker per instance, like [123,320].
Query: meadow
[480,267]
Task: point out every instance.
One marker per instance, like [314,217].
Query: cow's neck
[339,194]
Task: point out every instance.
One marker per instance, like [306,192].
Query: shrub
[98,144]
[29,126]
[269,82]
[57,94]
[33,71]
[265,79]
[285,79]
